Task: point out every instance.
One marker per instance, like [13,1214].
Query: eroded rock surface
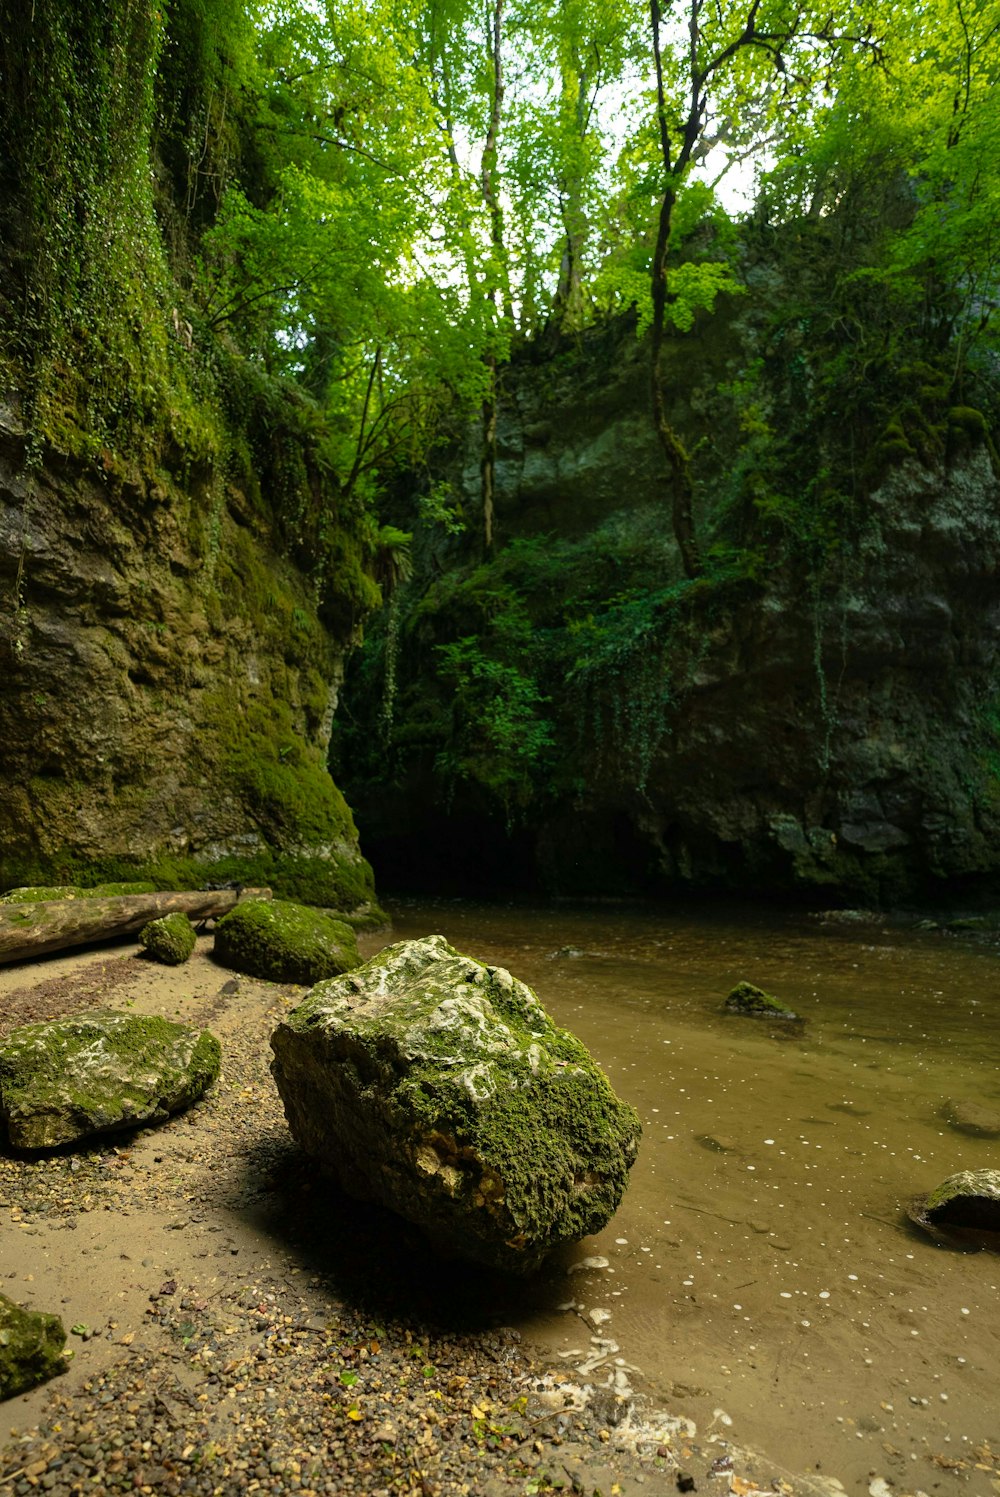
[441,1088]
[97,1073]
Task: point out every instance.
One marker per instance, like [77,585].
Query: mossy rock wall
[818,714]
[180,575]
[169,688]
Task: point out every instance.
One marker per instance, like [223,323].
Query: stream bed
[761,1277]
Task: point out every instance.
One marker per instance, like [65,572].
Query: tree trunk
[32,929]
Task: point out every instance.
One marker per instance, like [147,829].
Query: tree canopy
[375,201]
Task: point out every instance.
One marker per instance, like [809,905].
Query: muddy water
[760,1269]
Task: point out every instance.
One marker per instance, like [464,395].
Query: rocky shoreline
[239,1325]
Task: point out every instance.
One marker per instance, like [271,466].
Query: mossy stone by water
[441,1088]
[99,1072]
[964,1210]
[745,998]
[968,1198]
[169,940]
[285,942]
[31,1348]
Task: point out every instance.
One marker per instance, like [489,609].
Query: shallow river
[760,1269]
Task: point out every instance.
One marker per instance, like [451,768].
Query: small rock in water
[752,1001]
[964,1210]
[717,1144]
[971,1117]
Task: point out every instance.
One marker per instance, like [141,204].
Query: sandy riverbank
[242,1326]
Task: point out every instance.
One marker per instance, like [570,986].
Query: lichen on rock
[284,942]
[440,1087]
[31,1347]
[99,1072]
[745,998]
[169,940]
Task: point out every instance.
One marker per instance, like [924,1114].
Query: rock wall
[168,686]
[832,731]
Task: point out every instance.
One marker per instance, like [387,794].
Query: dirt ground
[238,1325]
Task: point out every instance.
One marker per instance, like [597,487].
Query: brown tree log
[29,930]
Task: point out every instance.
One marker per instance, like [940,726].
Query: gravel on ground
[237,1325]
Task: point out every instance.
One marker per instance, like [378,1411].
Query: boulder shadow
[378,1262]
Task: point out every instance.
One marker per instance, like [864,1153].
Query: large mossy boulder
[753,1002]
[169,940]
[285,942]
[441,1088]
[97,1073]
[31,1348]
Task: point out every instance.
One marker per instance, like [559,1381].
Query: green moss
[169,940]
[339,882]
[284,942]
[745,998]
[39,894]
[968,420]
[33,895]
[98,1072]
[31,1348]
[449,1093]
[963,1197]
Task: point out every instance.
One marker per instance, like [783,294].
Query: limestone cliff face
[834,731]
[168,686]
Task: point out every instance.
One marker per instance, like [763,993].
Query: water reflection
[761,1262]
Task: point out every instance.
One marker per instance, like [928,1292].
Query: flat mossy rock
[169,940]
[753,1001]
[31,1348]
[963,1211]
[99,1072]
[284,942]
[441,1088]
[42,894]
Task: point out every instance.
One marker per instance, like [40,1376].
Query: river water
[760,1275]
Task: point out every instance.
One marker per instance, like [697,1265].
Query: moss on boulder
[31,1348]
[745,998]
[99,1072]
[441,1088]
[964,1210]
[169,940]
[970,1198]
[285,942]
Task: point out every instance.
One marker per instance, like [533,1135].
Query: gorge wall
[168,687]
[818,714]
[180,576]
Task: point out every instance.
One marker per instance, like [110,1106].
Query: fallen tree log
[29,930]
